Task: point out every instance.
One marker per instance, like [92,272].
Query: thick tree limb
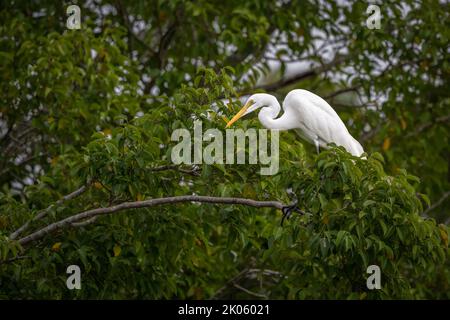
[70,221]
[84,223]
[41,214]
[303,75]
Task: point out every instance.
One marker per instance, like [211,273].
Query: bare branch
[427,125]
[69,221]
[41,214]
[84,223]
[217,294]
[259,295]
[341,91]
[266,272]
[14,259]
[246,273]
[437,203]
[302,75]
[194,171]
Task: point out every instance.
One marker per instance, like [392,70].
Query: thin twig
[41,214]
[437,203]
[259,295]
[266,272]
[236,277]
[194,171]
[427,125]
[14,259]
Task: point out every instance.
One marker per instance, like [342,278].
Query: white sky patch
[93,53]
[39,14]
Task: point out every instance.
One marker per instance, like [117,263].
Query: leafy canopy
[96,107]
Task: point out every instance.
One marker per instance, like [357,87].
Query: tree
[85,135]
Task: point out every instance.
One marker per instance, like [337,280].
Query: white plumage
[315,120]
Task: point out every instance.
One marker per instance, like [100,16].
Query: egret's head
[252,104]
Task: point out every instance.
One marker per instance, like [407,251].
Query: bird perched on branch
[312,117]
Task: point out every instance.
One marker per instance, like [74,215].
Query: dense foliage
[96,107]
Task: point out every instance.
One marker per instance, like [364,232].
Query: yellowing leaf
[97,185]
[3,222]
[386,144]
[56,246]
[424,65]
[117,250]
[139,197]
[443,234]
[403,124]
[198,242]
[225,119]
[107,132]
[249,192]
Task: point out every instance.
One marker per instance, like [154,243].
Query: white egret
[315,120]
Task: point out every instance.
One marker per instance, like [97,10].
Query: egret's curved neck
[270,110]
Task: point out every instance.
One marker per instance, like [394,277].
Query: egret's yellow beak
[240,113]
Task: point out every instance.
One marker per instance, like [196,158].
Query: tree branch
[427,125]
[194,171]
[302,75]
[76,193]
[246,273]
[341,91]
[14,259]
[126,21]
[69,221]
[217,294]
[437,203]
[41,214]
[258,295]
[84,223]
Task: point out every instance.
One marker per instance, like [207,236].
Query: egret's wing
[319,125]
[317,120]
[317,102]
[358,147]
[302,135]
